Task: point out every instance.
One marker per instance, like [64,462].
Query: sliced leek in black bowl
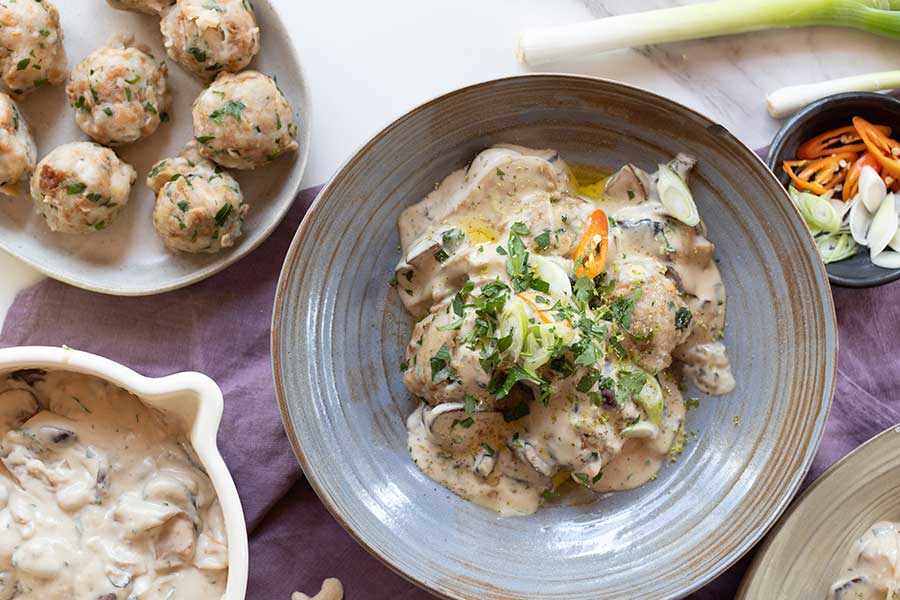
[841,173]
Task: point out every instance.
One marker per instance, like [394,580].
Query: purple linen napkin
[221,327]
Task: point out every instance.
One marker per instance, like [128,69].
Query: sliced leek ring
[676,197]
[551,272]
[871,188]
[641,430]
[884,226]
[514,321]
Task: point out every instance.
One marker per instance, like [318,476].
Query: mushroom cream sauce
[872,568]
[550,315]
[101,497]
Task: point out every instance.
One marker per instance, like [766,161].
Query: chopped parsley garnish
[183,206]
[232,108]
[198,54]
[520,228]
[464,423]
[582,477]
[23,64]
[75,188]
[95,197]
[80,104]
[450,242]
[440,365]
[516,412]
[470,403]
[500,173]
[205,138]
[543,240]
[223,214]
[157,168]
[514,376]
[587,381]
[488,450]
[630,384]
[622,310]
[683,318]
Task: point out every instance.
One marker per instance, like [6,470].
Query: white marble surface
[369,62]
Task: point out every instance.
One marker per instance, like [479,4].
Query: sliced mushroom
[29,376]
[175,543]
[55,436]
[529,454]
[626,185]
[683,164]
[485,461]
[16,407]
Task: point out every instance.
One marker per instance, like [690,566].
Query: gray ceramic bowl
[804,554]
[339,334]
[819,117]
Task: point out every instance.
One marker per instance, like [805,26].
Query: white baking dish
[193,399]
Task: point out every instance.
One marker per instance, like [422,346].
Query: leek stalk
[695,21]
[788,100]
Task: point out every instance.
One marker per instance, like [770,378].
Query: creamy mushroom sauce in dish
[552,314]
[101,497]
[872,568]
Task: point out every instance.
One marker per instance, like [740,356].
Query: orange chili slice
[822,174]
[851,183]
[885,150]
[842,139]
[590,254]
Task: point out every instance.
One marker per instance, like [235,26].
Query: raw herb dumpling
[31,45]
[17,150]
[119,93]
[244,121]
[81,187]
[150,7]
[207,37]
[199,206]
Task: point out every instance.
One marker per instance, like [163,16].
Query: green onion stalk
[695,21]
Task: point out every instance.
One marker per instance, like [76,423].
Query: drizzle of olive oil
[479,231]
[588,181]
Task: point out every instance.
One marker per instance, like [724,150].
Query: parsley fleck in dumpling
[244,121]
[151,7]
[31,45]
[207,37]
[17,150]
[199,206]
[81,187]
[119,93]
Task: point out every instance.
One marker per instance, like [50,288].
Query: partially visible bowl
[804,554]
[819,117]
[339,334]
[193,399]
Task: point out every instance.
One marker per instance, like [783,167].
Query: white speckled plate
[129,258]
[803,555]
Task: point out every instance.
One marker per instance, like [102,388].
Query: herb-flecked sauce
[531,373]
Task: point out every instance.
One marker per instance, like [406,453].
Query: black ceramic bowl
[823,115]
